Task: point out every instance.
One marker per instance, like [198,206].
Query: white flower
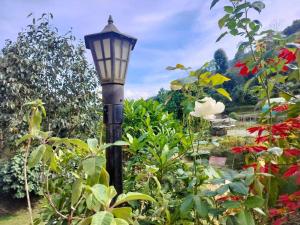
[207,108]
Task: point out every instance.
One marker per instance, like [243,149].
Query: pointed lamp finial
[110,20]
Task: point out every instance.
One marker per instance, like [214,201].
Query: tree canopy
[43,64]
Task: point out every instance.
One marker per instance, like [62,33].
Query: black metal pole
[113,96]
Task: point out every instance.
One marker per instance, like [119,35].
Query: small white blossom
[207,108]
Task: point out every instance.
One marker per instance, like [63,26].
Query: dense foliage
[12,177]
[44,64]
[75,183]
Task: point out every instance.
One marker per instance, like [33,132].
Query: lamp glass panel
[117,43]
[102,69]
[106,45]
[117,68]
[123,69]
[98,50]
[108,68]
[125,49]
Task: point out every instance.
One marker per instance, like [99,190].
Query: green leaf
[221,190]
[228,9]
[24,138]
[239,188]
[120,143]
[79,143]
[123,213]
[221,36]
[92,143]
[86,221]
[93,165]
[121,222]
[76,191]
[254,202]
[231,204]
[248,83]
[201,206]
[36,156]
[260,211]
[223,20]
[104,177]
[245,218]
[223,92]
[130,138]
[102,194]
[234,32]
[164,154]
[131,196]
[241,6]
[213,3]
[92,203]
[102,218]
[35,122]
[258,5]
[186,205]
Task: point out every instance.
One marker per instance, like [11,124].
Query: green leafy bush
[233,115]
[139,115]
[12,177]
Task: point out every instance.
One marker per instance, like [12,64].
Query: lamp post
[111,50]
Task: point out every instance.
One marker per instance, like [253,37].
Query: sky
[168,31]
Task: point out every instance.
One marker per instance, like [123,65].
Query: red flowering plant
[272,61]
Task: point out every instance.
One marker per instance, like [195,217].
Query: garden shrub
[233,115]
[12,177]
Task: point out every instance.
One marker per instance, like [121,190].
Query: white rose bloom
[207,108]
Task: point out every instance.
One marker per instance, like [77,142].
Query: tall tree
[43,64]
[221,61]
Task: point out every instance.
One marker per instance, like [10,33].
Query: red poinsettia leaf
[239,64]
[258,129]
[238,149]
[254,70]
[291,152]
[291,170]
[273,212]
[281,108]
[280,221]
[285,68]
[244,71]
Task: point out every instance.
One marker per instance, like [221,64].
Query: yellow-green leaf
[36,155]
[218,79]
[131,196]
[223,92]
[176,85]
[123,213]
[76,191]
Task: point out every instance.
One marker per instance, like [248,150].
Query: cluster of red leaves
[287,55]
[247,148]
[287,205]
[264,169]
[279,130]
[244,70]
[284,55]
[281,108]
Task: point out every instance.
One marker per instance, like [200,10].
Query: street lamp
[111,50]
